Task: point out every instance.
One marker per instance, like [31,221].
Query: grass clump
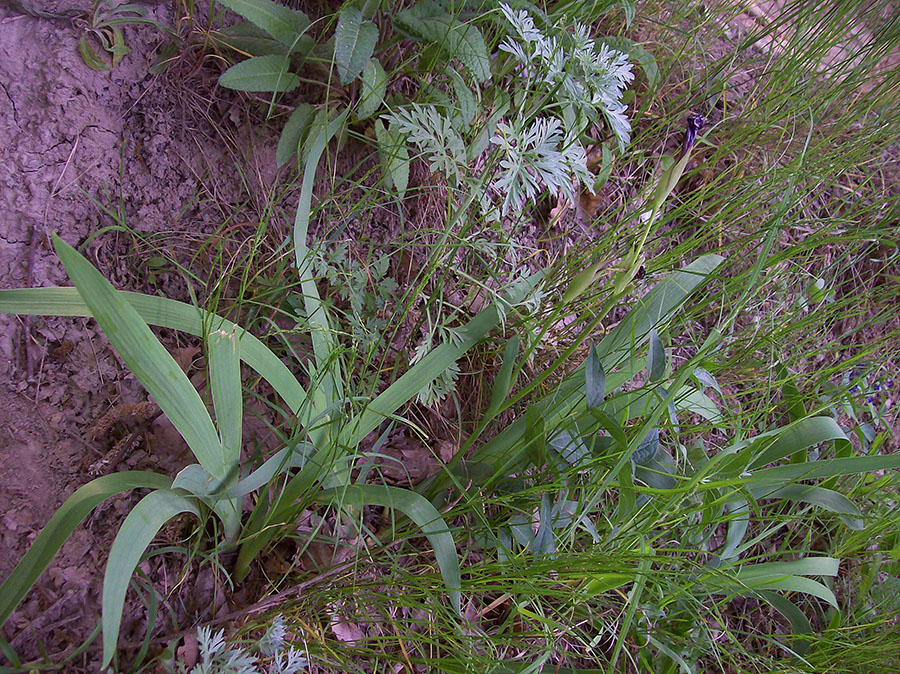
[651,382]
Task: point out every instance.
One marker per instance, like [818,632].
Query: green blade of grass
[134,537]
[64,521]
[432,365]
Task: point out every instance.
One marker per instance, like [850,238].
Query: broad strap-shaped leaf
[824,468]
[64,521]
[261,73]
[146,358]
[282,23]
[223,348]
[164,313]
[223,353]
[420,511]
[329,387]
[354,44]
[827,499]
[135,535]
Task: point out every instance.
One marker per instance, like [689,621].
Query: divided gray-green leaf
[644,58]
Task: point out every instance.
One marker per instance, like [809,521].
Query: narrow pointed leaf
[656,361]
[594,379]
[293,134]
[503,382]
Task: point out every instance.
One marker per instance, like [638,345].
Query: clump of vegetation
[665,455]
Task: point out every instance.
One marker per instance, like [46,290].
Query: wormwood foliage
[216,656]
[536,158]
[579,77]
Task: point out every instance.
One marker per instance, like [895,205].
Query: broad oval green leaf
[134,537]
[354,44]
[463,41]
[374,84]
[261,73]
[394,157]
[282,23]
[294,132]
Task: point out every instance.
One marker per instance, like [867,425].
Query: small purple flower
[695,123]
[854,388]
